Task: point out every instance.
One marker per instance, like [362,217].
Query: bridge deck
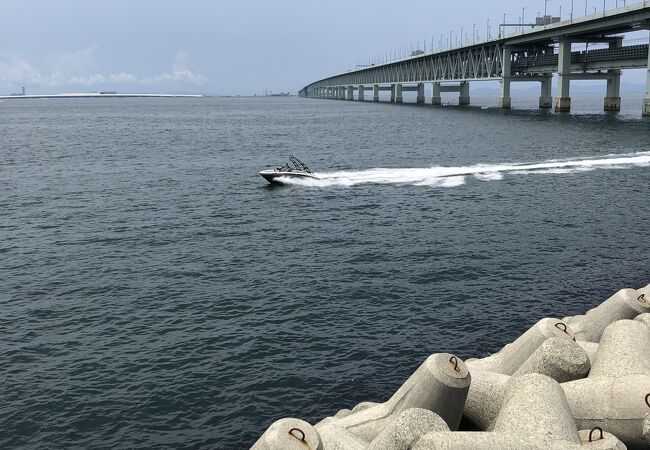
[532,52]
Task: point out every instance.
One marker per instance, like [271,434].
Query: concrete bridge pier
[436,98]
[563,100]
[463,99]
[613,98]
[505,102]
[399,97]
[646,101]
[546,96]
[420,98]
[350,92]
[362,91]
[392,93]
[375,93]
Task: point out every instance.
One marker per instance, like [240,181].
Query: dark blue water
[156,292]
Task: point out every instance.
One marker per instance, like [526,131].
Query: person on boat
[285,168]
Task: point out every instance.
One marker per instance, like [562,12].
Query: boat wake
[455,176]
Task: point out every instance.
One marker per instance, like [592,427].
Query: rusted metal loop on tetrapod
[562,326]
[302,434]
[454,361]
[647,400]
[642,298]
[591,434]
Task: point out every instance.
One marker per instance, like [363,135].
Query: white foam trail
[455,176]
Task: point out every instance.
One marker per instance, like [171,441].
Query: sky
[238,47]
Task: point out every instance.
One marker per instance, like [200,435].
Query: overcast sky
[227,47]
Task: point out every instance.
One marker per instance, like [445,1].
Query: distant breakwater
[96,95]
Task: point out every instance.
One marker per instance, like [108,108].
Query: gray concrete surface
[625,304]
[558,358]
[289,434]
[484,398]
[437,385]
[513,355]
[535,406]
[604,441]
[338,438]
[407,428]
[624,349]
[617,405]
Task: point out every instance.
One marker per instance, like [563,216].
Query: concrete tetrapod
[363,406]
[289,434]
[559,359]
[644,319]
[513,355]
[342,413]
[440,385]
[338,438]
[469,440]
[484,398]
[407,428]
[624,349]
[625,304]
[534,415]
[591,348]
[597,439]
[616,405]
[509,441]
[535,406]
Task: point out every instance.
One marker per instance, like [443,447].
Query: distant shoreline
[98,95]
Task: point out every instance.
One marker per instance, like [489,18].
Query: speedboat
[295,169]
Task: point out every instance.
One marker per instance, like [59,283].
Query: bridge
[531,55]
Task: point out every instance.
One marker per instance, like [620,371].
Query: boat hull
[274,177]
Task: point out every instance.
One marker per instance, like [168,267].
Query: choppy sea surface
[156,292]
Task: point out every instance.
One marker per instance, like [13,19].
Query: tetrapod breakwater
[581,382]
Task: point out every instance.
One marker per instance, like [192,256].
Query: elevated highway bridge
[531,55]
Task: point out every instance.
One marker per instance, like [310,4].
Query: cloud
[181,73]
[79,69]
[123,78]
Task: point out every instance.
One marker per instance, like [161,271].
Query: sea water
[156,291]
